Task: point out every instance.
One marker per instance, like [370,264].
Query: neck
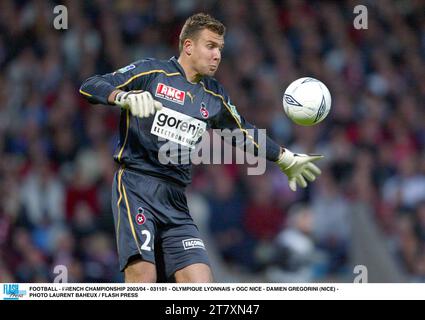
[191,74]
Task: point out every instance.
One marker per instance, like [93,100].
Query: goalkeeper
[179,98]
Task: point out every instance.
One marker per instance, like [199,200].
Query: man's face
[206,52]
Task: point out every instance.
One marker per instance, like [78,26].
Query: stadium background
[367,208]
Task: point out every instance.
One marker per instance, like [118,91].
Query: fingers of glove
[137,106]
[157,105]
[147,95]
[134,105]
[313,169]
[142,102]
[301,181]
[151,109]
[131,105]
[147,106]
[292,184]
[150,104]
[144,107]
[308,175]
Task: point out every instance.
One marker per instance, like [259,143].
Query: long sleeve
[135,76]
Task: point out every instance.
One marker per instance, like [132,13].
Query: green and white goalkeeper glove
[140,103]
[298,168]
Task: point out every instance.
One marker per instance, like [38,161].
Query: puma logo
[190,96]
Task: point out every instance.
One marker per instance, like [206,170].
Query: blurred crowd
[56,165]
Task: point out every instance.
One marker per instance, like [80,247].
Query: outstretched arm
[298,167]
[123,88]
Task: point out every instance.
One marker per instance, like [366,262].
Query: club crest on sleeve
[140,216]
[126,68]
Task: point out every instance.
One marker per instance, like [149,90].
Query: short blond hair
[199,22]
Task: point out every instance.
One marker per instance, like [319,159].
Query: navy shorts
[152,223]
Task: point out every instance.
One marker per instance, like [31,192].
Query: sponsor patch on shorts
[193,243]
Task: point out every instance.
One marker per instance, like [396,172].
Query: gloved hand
[299,167]
[140,103]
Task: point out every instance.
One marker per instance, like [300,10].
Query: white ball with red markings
[307,101]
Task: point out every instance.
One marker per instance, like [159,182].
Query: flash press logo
[11,291]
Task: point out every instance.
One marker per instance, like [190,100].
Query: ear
[188,46]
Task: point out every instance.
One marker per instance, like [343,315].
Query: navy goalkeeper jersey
[189,110]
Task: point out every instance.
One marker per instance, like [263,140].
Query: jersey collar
[178,66]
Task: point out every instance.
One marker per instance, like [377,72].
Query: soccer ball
[307,101]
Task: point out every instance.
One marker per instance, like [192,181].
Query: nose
[217,54]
